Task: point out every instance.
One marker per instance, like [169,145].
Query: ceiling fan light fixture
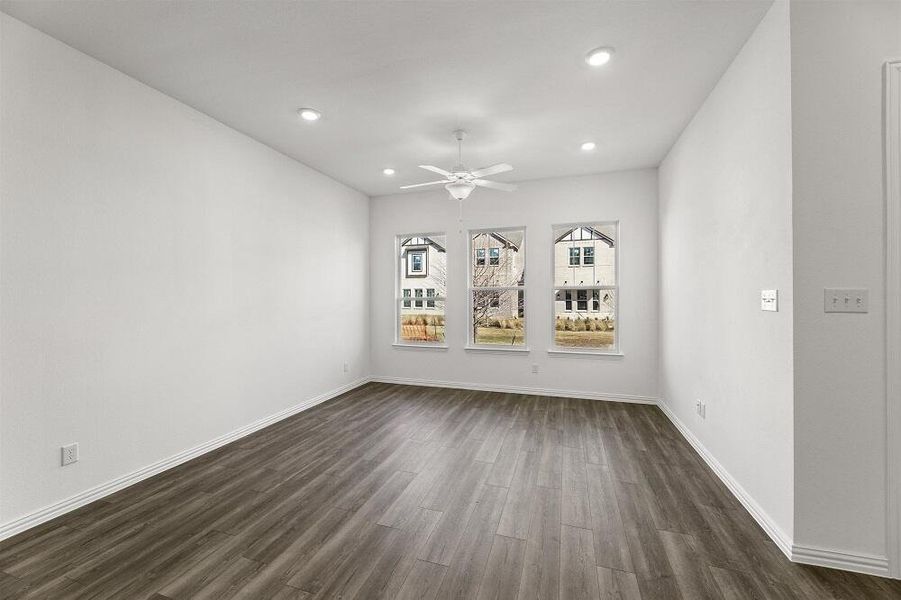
[309,114]
[599,56]
[460,190]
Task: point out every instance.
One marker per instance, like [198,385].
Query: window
[585,288]
[582,300]
[588,256]
[480,257]
[494,257]
[497,290]
[421,288]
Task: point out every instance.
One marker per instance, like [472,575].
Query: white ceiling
[392,79]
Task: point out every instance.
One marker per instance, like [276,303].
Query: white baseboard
[834,559]
[781,539]
[511,389]
[42,515]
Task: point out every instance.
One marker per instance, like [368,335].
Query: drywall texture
[630,197]
[166,279]
[839,242]
[725,235]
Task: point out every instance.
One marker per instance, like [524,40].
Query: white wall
[725,235]
[628,196]
[163,275]
[837,54]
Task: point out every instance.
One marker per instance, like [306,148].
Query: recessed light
[588,146]
[388,171]
[309,114]
[599,56]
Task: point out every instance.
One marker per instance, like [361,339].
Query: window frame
[471,344]
[616,349]
[400,272]
[494,257]
[424,252]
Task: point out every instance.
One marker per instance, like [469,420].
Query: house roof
[422,241]
[512,239]
[592,234]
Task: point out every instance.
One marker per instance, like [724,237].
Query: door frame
[892,170]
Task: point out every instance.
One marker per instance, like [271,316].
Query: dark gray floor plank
[407,492]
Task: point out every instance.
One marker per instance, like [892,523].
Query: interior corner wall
[629,196]
[725,235]
[165,279]
[838,50]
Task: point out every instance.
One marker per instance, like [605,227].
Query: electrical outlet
[769,300]
[69,454]
[701,409]
[534,368]
[346,367]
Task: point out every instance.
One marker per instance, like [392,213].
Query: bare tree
[488,272]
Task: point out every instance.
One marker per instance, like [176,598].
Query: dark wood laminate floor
[419,493]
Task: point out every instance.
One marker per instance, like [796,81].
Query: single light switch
[846,300]
[769,300]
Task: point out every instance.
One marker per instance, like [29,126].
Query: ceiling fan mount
[460,181]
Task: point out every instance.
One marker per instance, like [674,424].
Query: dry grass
[496,335]
[584,339]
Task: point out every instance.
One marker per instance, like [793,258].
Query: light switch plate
[846,300]
[769,300]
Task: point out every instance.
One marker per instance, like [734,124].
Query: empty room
[458,299]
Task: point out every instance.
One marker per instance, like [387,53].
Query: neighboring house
[498,262]
[423,274]
[584,256]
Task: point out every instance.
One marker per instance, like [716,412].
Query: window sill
[426,346]
[496,349]
[588,353]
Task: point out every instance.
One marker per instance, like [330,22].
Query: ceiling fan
[460,181]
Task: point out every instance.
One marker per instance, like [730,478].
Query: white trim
[498,349]
[781,539]
[834,559]
[892,168]
[512,389]
[43,515]
[556,352]
[423,345]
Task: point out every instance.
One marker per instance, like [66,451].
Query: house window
[417,262]
[588,256]
[497,290]
[582,300]
[421,288]
[585,299]
[494,257]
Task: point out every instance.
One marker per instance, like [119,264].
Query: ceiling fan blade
[416,185]
[441,172]
[495,185]
[492,170]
